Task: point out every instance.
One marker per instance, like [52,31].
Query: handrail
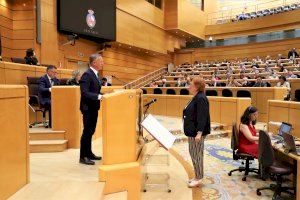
[142,81]
[225,15]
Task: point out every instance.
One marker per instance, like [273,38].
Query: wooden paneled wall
[129,65]
[17,27]
[251,50]
[192,23]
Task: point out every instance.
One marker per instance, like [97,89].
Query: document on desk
[159,132]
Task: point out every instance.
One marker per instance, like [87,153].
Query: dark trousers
[89,127]
[47,107]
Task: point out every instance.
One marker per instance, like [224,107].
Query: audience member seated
[180,83]
[45,85]
[231,82]
[282,68]
[291,74]
[76,76]
[164,83]
[284,83]
[153,84]
[293,54]
[30,58]
[104,82]
[259,82]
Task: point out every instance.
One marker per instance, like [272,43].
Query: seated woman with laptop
[248,136]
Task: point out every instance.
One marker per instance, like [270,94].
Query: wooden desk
[259,96]
[14,139]
[285,111]
[66,114]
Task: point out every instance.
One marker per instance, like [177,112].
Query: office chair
[271,166]
[212,93]
[18,60]
[297,95]
[184,92]
[243,93]
[157,91]
[34,102]
[236,155]
[227,93]
[171,91]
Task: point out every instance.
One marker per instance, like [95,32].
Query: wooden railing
[146,79]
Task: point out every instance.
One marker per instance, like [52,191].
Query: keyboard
[277,137]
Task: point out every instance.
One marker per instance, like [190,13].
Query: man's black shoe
[94,157]
[86,161]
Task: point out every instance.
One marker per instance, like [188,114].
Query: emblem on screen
[91,19]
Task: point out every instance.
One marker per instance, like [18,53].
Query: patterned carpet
[217,163]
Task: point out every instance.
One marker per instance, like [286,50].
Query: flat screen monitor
[284,128]
[90,19]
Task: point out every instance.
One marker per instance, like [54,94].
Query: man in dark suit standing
[90,86]
[293,54]
[44,91]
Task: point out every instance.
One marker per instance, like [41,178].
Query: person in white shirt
[284,83]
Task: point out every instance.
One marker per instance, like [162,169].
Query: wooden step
[45,134]
[41,146]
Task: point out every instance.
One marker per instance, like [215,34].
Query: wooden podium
[122,153]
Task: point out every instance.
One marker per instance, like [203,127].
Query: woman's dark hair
[245,119]
[29,52]
[282,78]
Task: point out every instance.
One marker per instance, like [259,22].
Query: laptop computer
[284,128]
[290,145]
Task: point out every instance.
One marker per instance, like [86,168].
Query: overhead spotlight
[24,4]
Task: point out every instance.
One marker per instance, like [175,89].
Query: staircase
[43,140]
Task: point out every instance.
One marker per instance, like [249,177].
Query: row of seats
[266,12]
[225,93]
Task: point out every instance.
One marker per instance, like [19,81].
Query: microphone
[151,102]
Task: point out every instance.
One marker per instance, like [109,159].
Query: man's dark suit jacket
[31,60]
[90,86]
[44,85]
[196,116]
[291,54]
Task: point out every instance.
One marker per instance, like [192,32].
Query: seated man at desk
[45,84]
[164,83]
